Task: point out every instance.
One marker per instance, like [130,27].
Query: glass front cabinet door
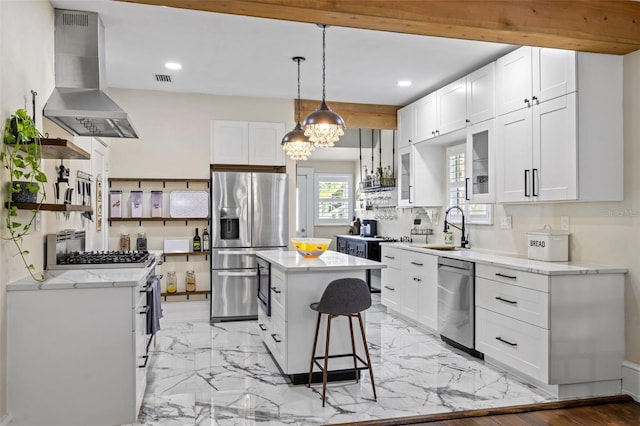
[480,180]
[405,177]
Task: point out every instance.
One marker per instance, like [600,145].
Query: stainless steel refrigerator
[249,212]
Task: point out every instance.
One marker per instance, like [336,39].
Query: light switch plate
[564,223]
[505,222]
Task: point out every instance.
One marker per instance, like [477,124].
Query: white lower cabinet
[391,278]
[564,331]
[410,285]
[76,356]
[288,333]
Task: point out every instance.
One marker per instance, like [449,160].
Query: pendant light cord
[324,32]
[298,112]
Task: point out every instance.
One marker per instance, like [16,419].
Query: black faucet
[464,242]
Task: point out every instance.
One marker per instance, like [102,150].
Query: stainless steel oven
[264,285]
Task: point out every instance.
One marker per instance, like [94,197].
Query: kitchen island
[77,347]
[288,331]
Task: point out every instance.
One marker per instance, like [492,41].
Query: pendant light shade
[323,126]
[295,143]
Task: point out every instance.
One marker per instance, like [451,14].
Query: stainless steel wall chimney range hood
[77,103]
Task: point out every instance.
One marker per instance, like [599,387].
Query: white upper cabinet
[420,174]
[569,147]
[265,144]
[426,117]
[537,152]
[452,107]
[532,75]
[406,123]
[481,94]
[481,177]
[247,143]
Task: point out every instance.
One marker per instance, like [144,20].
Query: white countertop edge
[63,279]
[328,261]
[513,262]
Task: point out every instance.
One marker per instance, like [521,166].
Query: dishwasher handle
[454,270]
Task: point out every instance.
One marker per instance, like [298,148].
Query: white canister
[548,244]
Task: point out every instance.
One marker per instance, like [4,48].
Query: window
[473,213]
[334,202]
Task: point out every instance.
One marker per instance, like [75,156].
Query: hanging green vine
[21,156]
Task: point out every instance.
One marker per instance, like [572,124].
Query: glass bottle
[125,242]
[190,281]
[197,242]
[141,242]
[205,240]
[172,282]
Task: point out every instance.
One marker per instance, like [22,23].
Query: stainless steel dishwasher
[456,304]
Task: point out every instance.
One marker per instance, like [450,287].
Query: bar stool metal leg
[326,360]
[366,351]
[353,347]
[313,351]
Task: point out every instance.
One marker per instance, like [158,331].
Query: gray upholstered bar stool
[346,297]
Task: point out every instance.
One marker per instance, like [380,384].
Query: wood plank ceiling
[600,26]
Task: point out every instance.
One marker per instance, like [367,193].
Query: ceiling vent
[163,78]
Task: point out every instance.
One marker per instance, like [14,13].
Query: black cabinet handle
[146,360]
[466,189]
[534,172]
[507,342]
[513,302]
[417,264]
[275,290]
[389,257]
[535,98]
[389,288]
[526,101]
[145,310]
[417,279]
[273,336]
[526,183]
[262,327]
[511,277]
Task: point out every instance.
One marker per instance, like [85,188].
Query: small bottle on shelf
[125,242]
[190,281]
[172,282]
[197,242]
[205,240]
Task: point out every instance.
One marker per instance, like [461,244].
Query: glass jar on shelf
[190,281]
[172,282]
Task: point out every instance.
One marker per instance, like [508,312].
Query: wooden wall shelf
[186,253]
[62,149]
[51,207]
[186,293]
[164,181]
[157,219]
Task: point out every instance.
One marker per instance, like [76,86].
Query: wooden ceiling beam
[601,26]
[364,116]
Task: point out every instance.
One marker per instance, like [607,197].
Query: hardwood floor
[620,410]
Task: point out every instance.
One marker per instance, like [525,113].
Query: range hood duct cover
[78,103]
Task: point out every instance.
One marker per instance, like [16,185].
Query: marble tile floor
[223,375]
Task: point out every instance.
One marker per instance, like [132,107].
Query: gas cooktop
[103,259]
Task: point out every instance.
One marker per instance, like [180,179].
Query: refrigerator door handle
[252,273]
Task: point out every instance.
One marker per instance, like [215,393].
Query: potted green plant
[21,156]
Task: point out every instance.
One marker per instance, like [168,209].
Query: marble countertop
[513,262]
[358,237]
[328,261]
[82,278]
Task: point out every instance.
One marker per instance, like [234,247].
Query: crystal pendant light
[323,126]
[295,143]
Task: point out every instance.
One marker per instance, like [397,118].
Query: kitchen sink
[441,247]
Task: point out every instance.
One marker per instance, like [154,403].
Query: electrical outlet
[564,223]
[505,222]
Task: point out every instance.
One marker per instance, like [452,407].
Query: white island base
[288,333]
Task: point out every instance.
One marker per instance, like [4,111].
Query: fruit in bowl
[311,247]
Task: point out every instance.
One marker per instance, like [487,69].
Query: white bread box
[548,244]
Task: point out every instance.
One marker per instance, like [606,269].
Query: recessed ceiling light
[404,83]
[173,66]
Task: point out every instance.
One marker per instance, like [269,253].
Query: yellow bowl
[311,247]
